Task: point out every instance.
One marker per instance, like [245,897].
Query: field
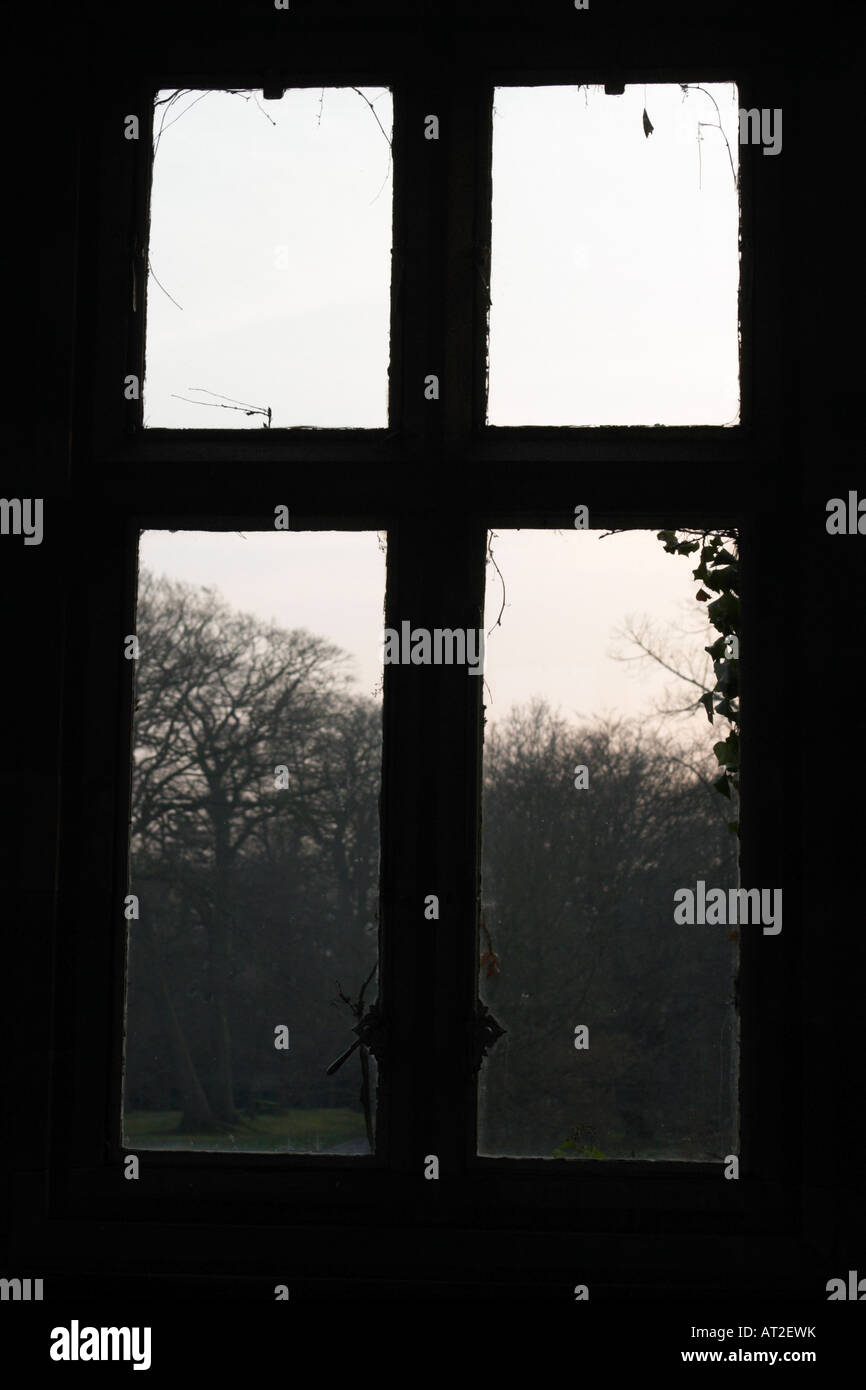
[276,1131]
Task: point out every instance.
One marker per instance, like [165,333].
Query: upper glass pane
[615,256]
[269,259]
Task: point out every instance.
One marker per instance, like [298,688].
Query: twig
[687,86]
[357,1008]
[384,132]
[239,405]
[373,109]
[152,272]
[263,111]
[168,102]
[492,558]
[674,672]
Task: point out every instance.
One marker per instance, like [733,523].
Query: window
[436,476]
[240,168]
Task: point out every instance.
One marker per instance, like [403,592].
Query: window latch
[372,1034]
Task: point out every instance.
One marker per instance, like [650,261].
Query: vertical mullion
[417,314]
[436,577]
[464,132]
[456,744]
[430,760]
[407,1080]
[467,269]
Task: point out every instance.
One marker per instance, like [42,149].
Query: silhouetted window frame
[472,477]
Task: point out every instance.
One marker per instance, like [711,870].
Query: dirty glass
[621,1034]
[615,256]
[268,292]
[252,915]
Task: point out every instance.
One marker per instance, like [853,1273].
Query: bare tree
[222,700]
[577,890]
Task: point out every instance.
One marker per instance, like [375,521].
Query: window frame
[435,480]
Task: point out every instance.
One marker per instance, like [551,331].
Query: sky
[271,232]
[614,258]
[613,301]
[568,594]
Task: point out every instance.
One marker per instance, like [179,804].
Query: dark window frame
[436,479]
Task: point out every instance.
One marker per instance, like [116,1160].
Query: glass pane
[615,261]
[254,841]
[270,259]
[580,867]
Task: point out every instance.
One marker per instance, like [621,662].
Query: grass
[278,1131]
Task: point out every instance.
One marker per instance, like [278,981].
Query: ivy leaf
[726,578]
[727,678]
[675,547]
[728,751]
[721,785]
[724,612]
[707,702]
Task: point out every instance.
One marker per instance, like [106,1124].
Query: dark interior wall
[67,66]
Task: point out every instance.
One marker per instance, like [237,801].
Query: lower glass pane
[621,1032]
[253,917]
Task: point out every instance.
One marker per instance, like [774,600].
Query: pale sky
[614,258]
[566,594]
[275,240]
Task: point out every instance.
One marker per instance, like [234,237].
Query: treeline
[256,898]
[578,904]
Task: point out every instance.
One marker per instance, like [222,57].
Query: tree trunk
[219,937]
[197,1114]
[223,1089]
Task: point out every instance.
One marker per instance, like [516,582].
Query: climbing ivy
[719,572]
